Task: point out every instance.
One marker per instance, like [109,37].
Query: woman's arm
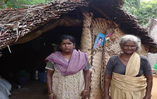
[107,82]
[87,77]
[147,70]
[149,86]
[49,83]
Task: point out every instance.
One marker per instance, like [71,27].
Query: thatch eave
[17,23]
[65,21]
[40,15]
[112,9]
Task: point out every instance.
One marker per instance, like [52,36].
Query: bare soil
[32,90]
[37,90]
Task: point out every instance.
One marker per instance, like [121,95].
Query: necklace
[123,59]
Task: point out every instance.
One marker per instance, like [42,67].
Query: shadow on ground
[32,90]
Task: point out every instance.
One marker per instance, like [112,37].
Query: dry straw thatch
[17,23]
[98,58]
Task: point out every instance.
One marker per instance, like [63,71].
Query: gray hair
[133,38]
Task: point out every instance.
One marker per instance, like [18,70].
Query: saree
[68,77]
[76,63]
[129,86]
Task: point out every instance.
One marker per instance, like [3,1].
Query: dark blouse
[115,65]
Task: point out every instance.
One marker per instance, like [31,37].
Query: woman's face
[67,46]
[129,47]
[99,41]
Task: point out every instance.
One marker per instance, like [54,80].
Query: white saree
[129,86]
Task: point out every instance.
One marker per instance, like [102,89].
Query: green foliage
[132,5]
[20,3]
[143,11]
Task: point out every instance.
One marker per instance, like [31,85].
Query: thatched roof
[112,10]
[17,24]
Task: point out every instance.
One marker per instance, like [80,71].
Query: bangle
[50,94]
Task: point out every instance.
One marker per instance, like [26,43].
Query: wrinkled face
[67,46]
[129,47]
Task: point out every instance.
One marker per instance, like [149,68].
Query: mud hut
[83,19]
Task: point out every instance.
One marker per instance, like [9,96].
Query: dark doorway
[30,56]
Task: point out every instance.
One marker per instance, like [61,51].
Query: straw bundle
[98,26]
[111,44]
[104,61]
[144,50]
[86,39]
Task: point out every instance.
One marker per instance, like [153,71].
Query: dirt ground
[37,90]
[32,90]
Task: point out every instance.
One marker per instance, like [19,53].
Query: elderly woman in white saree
[128,75]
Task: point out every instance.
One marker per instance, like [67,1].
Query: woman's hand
[51,96]
[149,86]
[107,82]
[147,97]
[107,97]
[84,94]
[49,80]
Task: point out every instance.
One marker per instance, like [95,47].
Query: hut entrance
[30,56]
